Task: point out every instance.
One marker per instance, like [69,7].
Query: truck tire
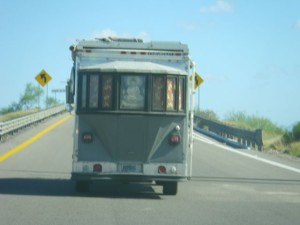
[82,186]
[170,188]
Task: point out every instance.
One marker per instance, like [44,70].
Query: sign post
[57,91]
[197,83]
[43,78]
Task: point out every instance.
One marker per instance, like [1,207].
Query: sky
[247,52]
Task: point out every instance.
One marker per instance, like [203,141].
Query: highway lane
[227,188]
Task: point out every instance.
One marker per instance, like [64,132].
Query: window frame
[148,80]
[113,88]
[90,89]
[80,92]
[151,97]
[175,95]
[183,91]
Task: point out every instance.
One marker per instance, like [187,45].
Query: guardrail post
[239,140]
[258,139]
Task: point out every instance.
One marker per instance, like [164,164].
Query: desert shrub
[296,131]
[253,122]
[208,114]
[287,137]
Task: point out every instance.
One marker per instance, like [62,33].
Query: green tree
[287,137]
[50,101]
[39,93]
[31,96]
[296,131]
[5,110]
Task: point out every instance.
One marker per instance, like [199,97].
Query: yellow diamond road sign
[43,78]
[198,80]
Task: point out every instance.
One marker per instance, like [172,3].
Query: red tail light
[97,168]
[174,139]
[162,169]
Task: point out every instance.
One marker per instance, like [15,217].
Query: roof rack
[117,39]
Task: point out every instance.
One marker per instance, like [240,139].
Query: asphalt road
[227,188]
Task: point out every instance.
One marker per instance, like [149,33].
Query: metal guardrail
[15,125]
[251,138]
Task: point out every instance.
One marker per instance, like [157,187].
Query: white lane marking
[201,138]
[282,193]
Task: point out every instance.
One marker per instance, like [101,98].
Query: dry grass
[273,141]
[294,149]
[272,134]
[14,115]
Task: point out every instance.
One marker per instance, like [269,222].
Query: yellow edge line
[32,139]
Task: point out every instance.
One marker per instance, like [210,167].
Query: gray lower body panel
[125,177]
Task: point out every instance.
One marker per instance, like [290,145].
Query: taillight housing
[162,169]
[174,139]
[87,137]
[97,168]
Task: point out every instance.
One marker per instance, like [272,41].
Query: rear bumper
[124,177]
[83,171]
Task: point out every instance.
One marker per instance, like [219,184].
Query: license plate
[130,168]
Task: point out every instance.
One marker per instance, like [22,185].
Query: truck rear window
[158,93]
[132,93]
[127,92]
[171,93]
[107,91]
[94,91]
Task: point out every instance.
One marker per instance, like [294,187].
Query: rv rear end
[132,112]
